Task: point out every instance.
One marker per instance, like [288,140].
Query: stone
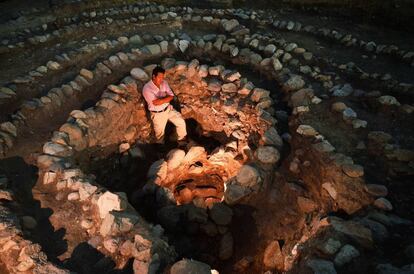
[109,201]
[272,137]
[87,74]
[306,205]
[86,190]
[320,266]
[123,147]
[258,94]
[248,176]
[306,130]
[215,70]
[197,214]
[9,128]
[352,229]
[221,214]
[302,97]
[273,257]
[52,65]
[183,45]
[346,255]
[57,149]
[349,114]
[76,137]
[383,204]
[175,158]
[388,100]
[267,155]
[139,74]
[342,91]
[153,49]
[276,64]
[295,82]
[357,123]
[226,246]
[111,245]
[376,190]
[269,50]
[117,222]
[229,25]
[29,222]
[330,247]
[338,107]
[229,88]
[186,266]
[353,171]
[158,169]
[74,196]
[194,154]
[136,40]
[234,193]
[170,216]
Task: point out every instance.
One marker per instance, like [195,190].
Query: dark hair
[157,70]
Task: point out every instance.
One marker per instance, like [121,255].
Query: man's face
[158,79]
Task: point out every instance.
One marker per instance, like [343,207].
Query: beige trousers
[160,119]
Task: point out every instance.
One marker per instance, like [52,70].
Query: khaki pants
[160,119]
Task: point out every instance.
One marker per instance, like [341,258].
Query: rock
[338,107]
[353,171]
[154,49]
[276,64]
[109,201]
[141,267]
[320,266]
[229,88]
[29,222]
[306,205]
[111,245]
[183,45]
[139,74]
[306,130]
[169,216]
[376,190]
[117,222]
[346,255]
[269,50]
[57,149]
[86,190]
[74,196]
[343,91]
[229,25]
[123,147]
[232,76]
[349,114]
[195,153]
[136,40]
[388,100]
[76,137]
[87,74]
[302,97]
[295,82]
[330,247]
[248,176]
[9,128]
[221,214]
[354,230]
[383,204]
[272,137]
[158,169]
[379,231]
[307,56]
[186,266]
[267,155]
[258,94]
[357,123]
[197,214]
[52,65]
[226,246]
[175,158]
[215,70]
[273,257]
[234,193]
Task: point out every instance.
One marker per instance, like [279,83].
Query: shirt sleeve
[167,88]
[148,95]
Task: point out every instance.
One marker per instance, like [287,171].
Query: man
[158,95]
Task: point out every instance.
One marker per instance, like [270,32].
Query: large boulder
[186,266]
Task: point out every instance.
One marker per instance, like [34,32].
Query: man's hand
[161,101]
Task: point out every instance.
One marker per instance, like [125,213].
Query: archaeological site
[207,136]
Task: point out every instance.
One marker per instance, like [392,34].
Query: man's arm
[161,101]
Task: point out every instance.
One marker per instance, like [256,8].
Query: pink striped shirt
[152,92]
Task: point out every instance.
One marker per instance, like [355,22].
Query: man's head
[158,75]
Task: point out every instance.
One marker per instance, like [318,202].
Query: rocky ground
[301,157]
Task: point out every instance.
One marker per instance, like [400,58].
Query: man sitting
[158,95]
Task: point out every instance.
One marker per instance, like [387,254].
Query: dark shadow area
[86,259]
[22,181]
